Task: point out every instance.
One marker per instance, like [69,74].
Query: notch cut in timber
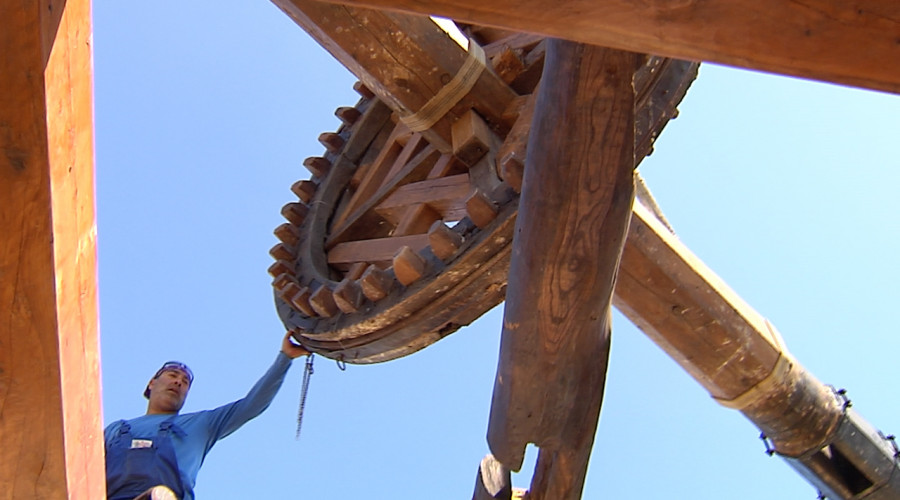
[574,210]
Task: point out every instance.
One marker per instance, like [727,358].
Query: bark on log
[573,217]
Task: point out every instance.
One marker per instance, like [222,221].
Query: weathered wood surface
[403,58]
[722,342]
[574,212]
[51,443]
[845,42]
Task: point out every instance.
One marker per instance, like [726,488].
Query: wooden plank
[575,208]
[846,42]
[377,250]
[446,195]
[51,425]
[403,58]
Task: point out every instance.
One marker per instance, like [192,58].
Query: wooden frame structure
[52,447]
[50,420]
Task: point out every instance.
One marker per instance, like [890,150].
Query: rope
[778,376]
[304,390]
[450,94]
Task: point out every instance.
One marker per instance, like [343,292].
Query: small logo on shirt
[141,443]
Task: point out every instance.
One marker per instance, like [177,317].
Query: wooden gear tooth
[348,296]
[348,115]
[362,90]
[375,283]
[283,252]
[288,234]
[356,270]
[512,170]
[298,298]
[295,213]
[511,154]
[317,166]
[409,266]
[288,291]
[304,189]
[444,241]
[508,65]
[481,209]
[282,281]
[300,301]
[471,138]
[282,267]
[322,302]
[332,141]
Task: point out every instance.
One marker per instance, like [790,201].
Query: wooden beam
[574,212]
[855,42]
[405,59]
[728,347]
[50,418]
[375,250]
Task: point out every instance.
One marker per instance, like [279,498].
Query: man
[159,454]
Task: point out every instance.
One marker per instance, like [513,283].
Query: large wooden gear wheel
[393,244]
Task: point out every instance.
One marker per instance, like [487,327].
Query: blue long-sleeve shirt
[204,428]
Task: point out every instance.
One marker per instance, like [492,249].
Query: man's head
[168,388]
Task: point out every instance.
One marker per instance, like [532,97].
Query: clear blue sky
[204,114]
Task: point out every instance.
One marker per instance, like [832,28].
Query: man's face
[168,392]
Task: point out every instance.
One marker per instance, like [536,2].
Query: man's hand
[290,349]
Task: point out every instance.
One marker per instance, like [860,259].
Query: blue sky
[204,114]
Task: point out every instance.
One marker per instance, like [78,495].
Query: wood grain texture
[720,340]
[575,209]
[853,42]
[50,416]
[403,58]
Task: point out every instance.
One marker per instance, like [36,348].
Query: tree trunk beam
[575,208]
[50,416]
[844,42]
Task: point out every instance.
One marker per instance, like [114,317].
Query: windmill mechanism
[504,169]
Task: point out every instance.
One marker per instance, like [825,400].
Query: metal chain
[304,389]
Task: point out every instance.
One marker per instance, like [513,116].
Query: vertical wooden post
[573,217]
[50,418]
